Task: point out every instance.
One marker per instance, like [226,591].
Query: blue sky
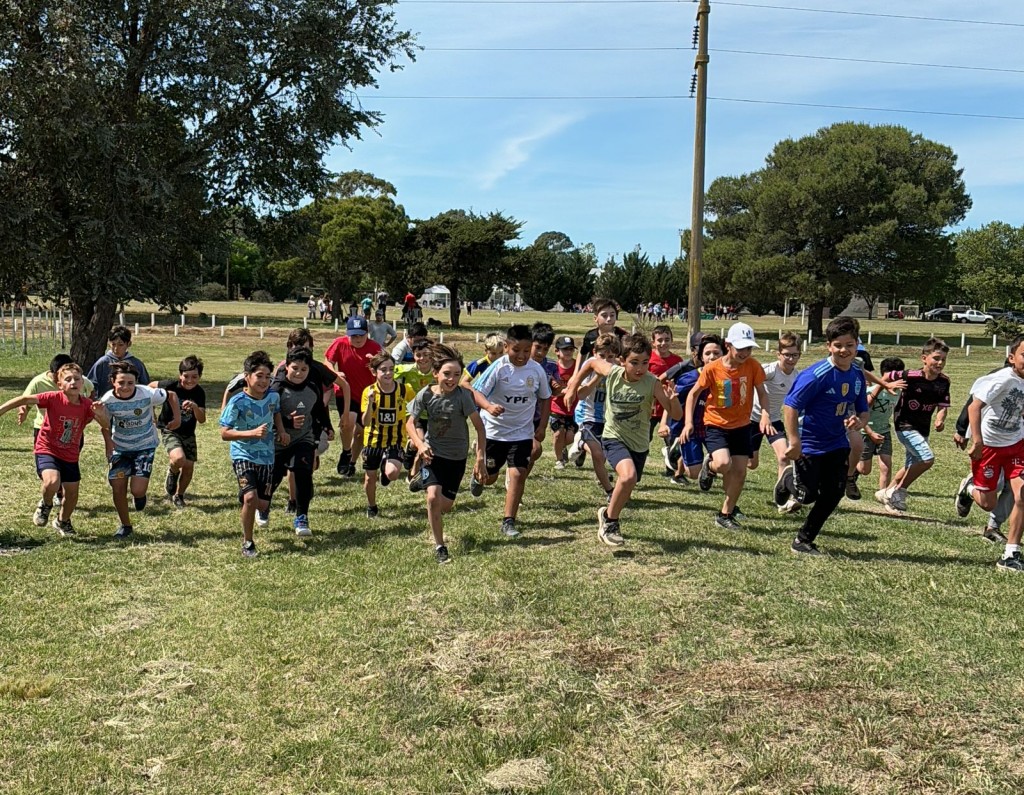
[616,172]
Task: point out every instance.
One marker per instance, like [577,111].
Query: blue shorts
[131,464]
[592,431]
[918,450]
[693,452]
[67,470]
[615,451]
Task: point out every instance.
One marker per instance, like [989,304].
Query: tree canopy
[130,130]
[990,264]
[554,270]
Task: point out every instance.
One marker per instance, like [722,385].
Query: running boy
[779,377]
[662,359]
[494,347]
[384,406]
[519,385]
[133,438]
[563,425]
[119,340]
[444,445]
[631,391]
[58,443]
[926,393]
[684,459]
[732,382]
[822,394]
[248,422]
[182,450]
[878,433]
[606,313]
[589,415]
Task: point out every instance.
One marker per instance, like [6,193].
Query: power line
[868,108]
[523,97]
[817,11]
[555,49]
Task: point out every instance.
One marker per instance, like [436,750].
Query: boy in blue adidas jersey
[822,395]
[133,437]
[249,421]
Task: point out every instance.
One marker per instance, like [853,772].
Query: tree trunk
[814,318]
[454,310]
[92,320]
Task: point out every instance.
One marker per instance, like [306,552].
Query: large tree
[990,264]
[555,271]
[853,208]
[466,251]
[130,129]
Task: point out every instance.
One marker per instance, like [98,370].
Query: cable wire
[817,11]
[868,108]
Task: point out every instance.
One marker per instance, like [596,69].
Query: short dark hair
[191,363]
[842,326]
[120,334]
[542,332]
[417,330]
[1016,343]
[299,355]
[934,344]
[708,339]
[59,361]
[300,337]
[662,330]
[892,364]
[379,359]
[599,304]
[442,354]
[635,343]
[519,333]
[123,368]
[255,360]
[419,345]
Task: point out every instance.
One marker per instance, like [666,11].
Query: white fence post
[175,329]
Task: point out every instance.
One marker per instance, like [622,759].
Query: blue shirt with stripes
[245,413]
[824,395]
[132,424]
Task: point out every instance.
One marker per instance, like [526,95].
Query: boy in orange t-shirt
[732,382]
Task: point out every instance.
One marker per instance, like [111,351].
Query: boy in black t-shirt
[180,443]
[606,313]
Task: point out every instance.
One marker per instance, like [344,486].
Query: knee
[928,464]
[249,499]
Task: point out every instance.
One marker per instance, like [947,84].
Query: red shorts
[996,461]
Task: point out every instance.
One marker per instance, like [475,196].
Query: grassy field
[692,661]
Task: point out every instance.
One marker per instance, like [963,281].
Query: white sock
[970,490]
[1010,550]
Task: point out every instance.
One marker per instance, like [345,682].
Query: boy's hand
[794,452]
[663,431]
[852,423]
[877,438]
[22,414]
[894,386]
[330,434]
[765,424]
[960,440]
[371,401]
[495,410]
[539,435]
[940,426]
[426,453]
[187,405]
[298,420]
[976,449]
[259,433]
[686,434]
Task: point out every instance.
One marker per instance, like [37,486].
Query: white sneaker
[891,501]
[899,499]
[262,518]
[791,506]
[880,496]
[559,465]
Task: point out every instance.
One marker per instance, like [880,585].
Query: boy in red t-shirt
[563,426]
[732,382]
[662,359]
[348,358]
[59,442]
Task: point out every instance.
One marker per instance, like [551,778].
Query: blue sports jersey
[824,395]
[244,413]
[132,424]
[591,408]
[685,383]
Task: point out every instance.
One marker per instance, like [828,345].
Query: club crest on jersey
[138,412]
[845,389]
[529,381]
[989,472]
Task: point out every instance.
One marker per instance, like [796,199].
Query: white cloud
[516,151]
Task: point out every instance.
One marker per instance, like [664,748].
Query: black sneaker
[249,549]
[124,531]
[580,458]
[852,490]
[178,501]
[963,499]
[140,502]
[804,547]
[781,494]
[418,482]
[726,522]
[64,528]
[290,508]
[371,511]
[1012,563]
[680,480]
[476,488]
[442,554]
[508,528]
[344,461]
[706,477]
[993,535]
[171,482]
[738,515]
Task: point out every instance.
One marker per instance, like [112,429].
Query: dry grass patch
[27,689]
[519,775]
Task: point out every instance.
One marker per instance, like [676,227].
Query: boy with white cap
[732,382]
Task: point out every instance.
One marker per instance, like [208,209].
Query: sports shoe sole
[963,508]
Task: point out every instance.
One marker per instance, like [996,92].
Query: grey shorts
[188,444]
[873,448]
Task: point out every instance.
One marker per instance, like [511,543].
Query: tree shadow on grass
[923,560]
[12,544]
[680,546]
[472,544]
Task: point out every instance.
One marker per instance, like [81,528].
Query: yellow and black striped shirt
[387,423]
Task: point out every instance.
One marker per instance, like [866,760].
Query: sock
[970,490]
[1010,550]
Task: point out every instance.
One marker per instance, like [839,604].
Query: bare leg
[437,506]
[732,481]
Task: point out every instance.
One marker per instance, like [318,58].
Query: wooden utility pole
[697,203]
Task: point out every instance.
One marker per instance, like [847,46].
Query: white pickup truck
[971,316]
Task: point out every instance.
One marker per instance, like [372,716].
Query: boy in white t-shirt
[779,377]
[518,385]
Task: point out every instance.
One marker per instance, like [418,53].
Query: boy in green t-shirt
[630,392]
[878,434]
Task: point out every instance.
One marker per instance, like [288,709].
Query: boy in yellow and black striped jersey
[384,409]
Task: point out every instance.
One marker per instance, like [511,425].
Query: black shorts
[615,451]
[735,440]
[253,477]
[373,457]
[561,422]
[514,454]
[353,406]
[68,471]
[446,473]
[296,457]
[756,437]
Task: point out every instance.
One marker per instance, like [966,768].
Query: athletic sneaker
[301,525]
[372,511]
[791,506]
[42,514]
[140,502]
[612,535]
[963,499]
[667,460]
[418,481]
[559,465]
[476,488]
[262,517]
[124,531]
[852,490]
[58,498]
[64,528]
[508,528]
[178,501]
[249,549]
[290,508]
[804,547]
[442,554]
[781,494]
[895,499]
[171,482]
[345,463]
[680,480]
[880,496]
[738,515]
[726,522]
[993,535]
[706,477]
[579,455]
[1012,563]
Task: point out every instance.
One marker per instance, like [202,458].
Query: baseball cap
[561,343]
[741,336]
[696,338]
[355,326]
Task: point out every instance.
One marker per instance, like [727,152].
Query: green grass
[692,661]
